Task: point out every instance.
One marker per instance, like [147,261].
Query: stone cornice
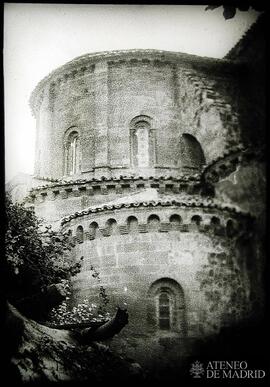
[190,203]
[227,163]
[191,184]
[49,179]
[185,183]
[86,62]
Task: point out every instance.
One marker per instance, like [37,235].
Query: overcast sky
[40,37]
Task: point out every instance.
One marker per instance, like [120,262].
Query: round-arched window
[142,142]
[72,153]
[166,306]
[164,309]
[191,153]
[142,139]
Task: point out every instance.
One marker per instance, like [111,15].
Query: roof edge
[96,56]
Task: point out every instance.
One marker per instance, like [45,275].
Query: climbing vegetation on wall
[83,312]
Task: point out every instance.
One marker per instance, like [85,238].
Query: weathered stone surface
[179,97]
[167,229]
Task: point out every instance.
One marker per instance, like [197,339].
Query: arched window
[142,137]
[153,223]
[93,227]
[191,153]
[79,234]
[196,219]
[132,223]
[230,228]
[215,221]
[175,221]
[166,306]
[72,153]
[142,142]
[111,226]
[164,309]
[215,224]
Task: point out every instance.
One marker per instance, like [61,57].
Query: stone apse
[143,158]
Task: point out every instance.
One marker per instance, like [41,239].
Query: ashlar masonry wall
[165,247]
[100,97]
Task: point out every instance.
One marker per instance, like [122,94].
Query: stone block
[108,260]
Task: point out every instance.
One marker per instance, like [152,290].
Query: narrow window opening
[166,307]
[73,154]
[142,134]
[164,310]
[142,142]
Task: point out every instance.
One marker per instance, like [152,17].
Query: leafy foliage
[83,312]
[102,292]
[36,256]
